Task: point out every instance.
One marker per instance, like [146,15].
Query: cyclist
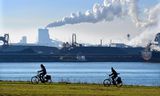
[42,72]
[114,75]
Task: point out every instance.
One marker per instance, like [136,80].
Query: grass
[62,89]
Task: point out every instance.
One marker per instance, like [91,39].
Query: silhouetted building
[23,40]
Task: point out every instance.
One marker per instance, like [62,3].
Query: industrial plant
[44,51]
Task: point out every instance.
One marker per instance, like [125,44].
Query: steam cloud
[108,11]
[100,12]
[111,9]
[151,25]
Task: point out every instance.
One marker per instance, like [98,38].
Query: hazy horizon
[24,18]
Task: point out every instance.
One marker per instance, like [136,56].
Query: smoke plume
[151,27]
[100,12]
[111,9]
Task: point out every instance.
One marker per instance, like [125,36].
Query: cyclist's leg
[43,78]
[113,80]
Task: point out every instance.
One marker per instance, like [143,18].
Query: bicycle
[37,79]
[117,81]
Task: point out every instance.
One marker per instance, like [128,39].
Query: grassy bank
[61,89]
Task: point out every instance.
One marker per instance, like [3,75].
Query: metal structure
[157,39]
[74,39]
[76,52]
[147,53]
[5,39]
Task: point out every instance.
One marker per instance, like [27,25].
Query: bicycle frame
[38,78]
[109,81]
[42,79]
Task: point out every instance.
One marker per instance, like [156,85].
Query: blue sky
[24,17]
[40,11]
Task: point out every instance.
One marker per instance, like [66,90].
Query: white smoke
[108,11]
[111,9]
[153,16]
[146,37]
[100,12]
[151,25]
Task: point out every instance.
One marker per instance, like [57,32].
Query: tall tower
[43,37]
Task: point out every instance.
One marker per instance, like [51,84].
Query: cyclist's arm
[40,71]
[110,74]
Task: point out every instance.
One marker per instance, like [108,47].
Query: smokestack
[101,42]
[74,39]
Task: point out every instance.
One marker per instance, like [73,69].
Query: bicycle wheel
[49,80]
[106,82]
[119,84]
[35,80]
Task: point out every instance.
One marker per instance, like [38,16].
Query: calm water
[147,74]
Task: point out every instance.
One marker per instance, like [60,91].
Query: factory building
[23,40]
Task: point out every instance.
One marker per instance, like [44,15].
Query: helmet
[42,65]
[112,68]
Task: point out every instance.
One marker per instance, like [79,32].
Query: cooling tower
[43,37]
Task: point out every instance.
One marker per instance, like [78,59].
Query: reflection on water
[132,73]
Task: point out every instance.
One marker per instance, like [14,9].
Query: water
[147,74]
